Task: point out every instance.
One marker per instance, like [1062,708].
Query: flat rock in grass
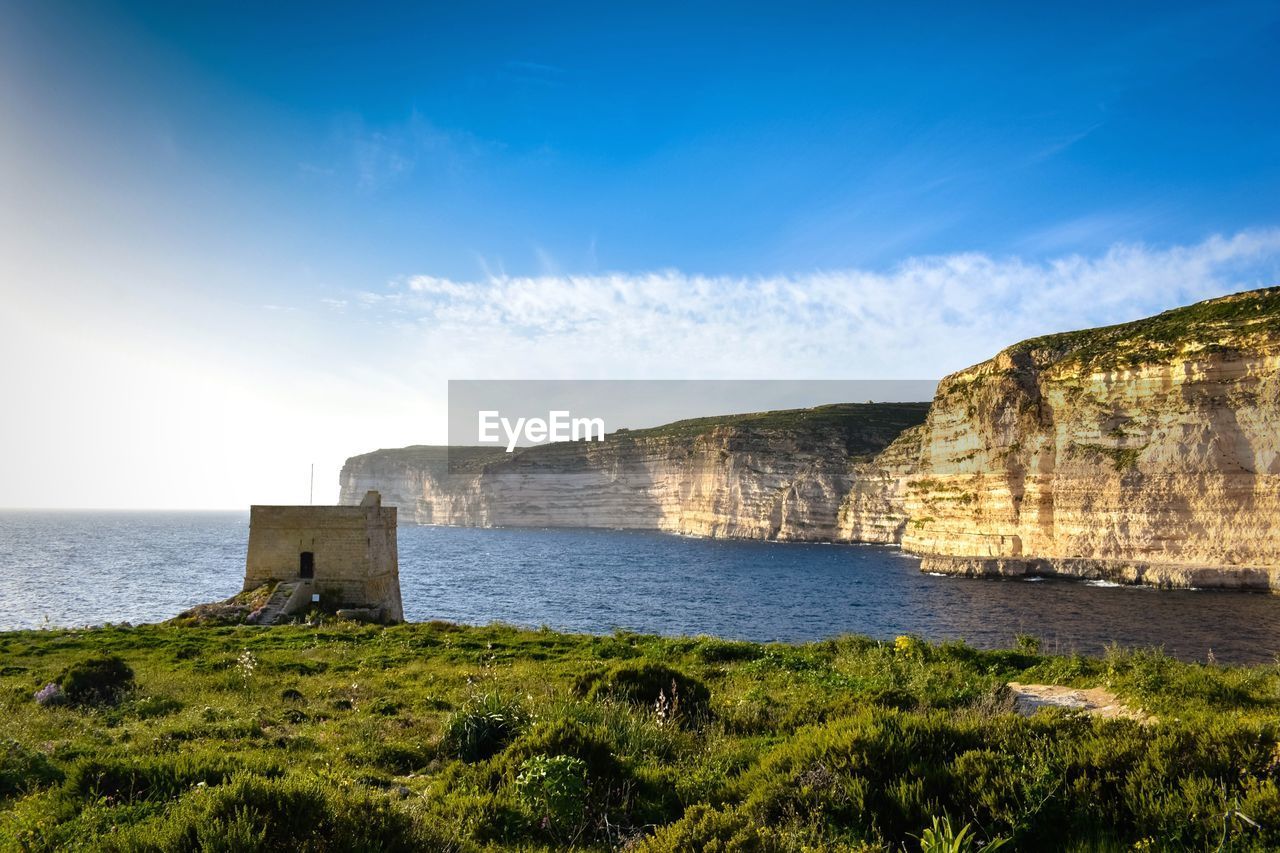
[1095,701]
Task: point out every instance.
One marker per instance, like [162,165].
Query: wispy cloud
[923,318]
[314,170]
[381,157]
[534,67]
[547,263]
[1093,229]
[535,73]
[382,154]
[1053,149]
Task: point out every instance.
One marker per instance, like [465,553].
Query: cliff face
[875,508]
[418,481]
[776,475]
[1147,452]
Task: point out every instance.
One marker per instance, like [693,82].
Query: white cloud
[194,399]
[923,318]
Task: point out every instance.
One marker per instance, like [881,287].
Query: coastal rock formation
[773,475]
[875,507]
[1147,452]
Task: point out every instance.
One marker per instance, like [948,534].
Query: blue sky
[321,212]
[730,138]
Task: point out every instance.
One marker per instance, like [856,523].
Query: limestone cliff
[1147,452]
[772,475]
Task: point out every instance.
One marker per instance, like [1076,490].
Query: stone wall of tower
[354,547]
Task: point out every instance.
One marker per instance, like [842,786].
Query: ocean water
[78,568]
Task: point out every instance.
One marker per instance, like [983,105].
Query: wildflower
[667,708]
[245,665]
[50,694]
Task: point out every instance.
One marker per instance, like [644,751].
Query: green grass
[1213,325]
[440,737]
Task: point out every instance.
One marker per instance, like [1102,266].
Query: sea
[63,569]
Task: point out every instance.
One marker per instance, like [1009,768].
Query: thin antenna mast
[311,498]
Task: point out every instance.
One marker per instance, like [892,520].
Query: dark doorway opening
[307,565]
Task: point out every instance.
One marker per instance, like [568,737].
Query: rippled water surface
[77,568]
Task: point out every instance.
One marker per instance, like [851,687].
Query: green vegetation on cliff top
[439,737]
[1213,325]
[864,428]
[435,457]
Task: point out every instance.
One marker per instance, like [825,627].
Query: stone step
[274,608]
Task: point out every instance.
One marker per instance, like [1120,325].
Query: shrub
[1028,643]
[288,814]
[654,686]
[398,757]
[149,707]
[584,681]
[877,766]
[23,771]
[716,831]
[617,795]
[995,701]
[483,726]
[571,738]
[554,789]
[712,650]
[153,778]
[894,697]
[101,679]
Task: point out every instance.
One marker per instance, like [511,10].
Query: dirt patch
[1029,698]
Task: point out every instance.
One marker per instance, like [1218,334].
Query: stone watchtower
[334,557]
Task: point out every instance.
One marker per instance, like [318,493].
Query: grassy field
[439,737]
